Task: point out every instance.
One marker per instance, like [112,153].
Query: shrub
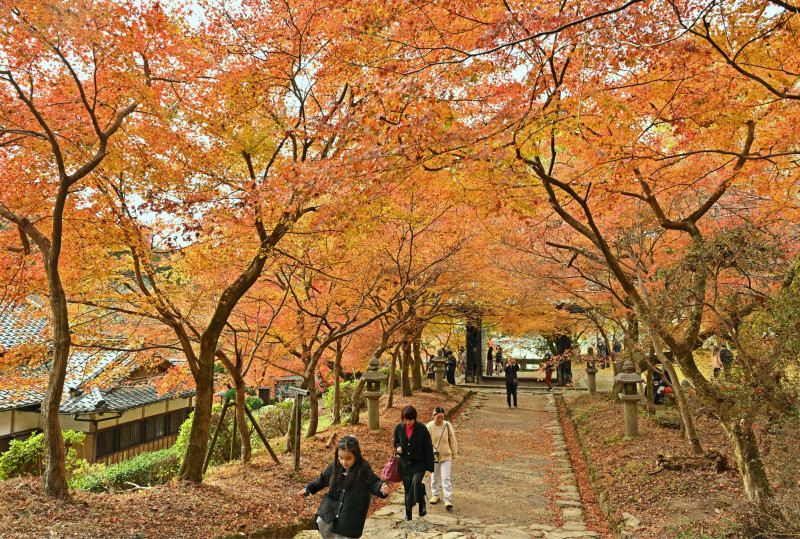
[274,420]
[145,469]
[253,403]
[27,456]
[346,390]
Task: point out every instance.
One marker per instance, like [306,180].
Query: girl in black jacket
[415,448]
[343,510]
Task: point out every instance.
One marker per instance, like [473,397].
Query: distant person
[716,360]
[548,371]
[498,360]
[450,367]
[462,361]
[602,353]
[430,372]
[616,346]
[512,381]
[413,444]
[350,482]
[726,357]
[489,359]
[445,449]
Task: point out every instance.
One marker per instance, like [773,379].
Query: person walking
[498,360]
[489,359]
[548,371]
[602,353]
[445,449]
[512,381]
[450,368]
[462,361]
[716,361]
[350,482]
[726,357]
[413,444]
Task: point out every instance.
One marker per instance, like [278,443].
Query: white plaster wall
[5,422]
[67,423]
[26,421]
[155,409]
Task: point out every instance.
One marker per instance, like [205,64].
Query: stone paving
[469,521]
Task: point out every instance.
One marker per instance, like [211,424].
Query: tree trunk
[407,360]
[683,405]
[241,420]
[192,468]
[651,397]
[416,371]
[291,434]
[313,406]
[356,415]
[748,458]
[55,474]
[390,386]
[337,371]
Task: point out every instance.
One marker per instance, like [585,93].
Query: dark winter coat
[349,506]
[511,374]
[417,455]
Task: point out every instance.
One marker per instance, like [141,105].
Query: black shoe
[408,515]
[422,510]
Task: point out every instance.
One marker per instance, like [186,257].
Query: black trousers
[511,389]
[415,489]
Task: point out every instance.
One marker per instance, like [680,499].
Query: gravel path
[511,480]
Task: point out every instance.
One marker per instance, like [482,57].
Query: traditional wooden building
[122,416]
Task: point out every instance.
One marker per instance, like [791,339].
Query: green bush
[346,390]
[145,469]
[253,403]
[26,457]
[274,420]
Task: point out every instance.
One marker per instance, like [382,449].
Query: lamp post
[372,385]
[628,379]
[438,370]
[591,372]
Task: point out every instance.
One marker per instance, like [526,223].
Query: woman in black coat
[344,507]
[415,448]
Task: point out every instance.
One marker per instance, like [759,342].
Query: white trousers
[325,530]
[440,480]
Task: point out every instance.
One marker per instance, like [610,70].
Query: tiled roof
[18,326]
[120,399]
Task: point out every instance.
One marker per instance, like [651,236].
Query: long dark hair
[357,474]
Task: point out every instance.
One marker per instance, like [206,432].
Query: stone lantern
[591,372]
[439,362]
[372,392]
[628,379]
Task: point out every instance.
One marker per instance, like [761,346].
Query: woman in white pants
[445,448]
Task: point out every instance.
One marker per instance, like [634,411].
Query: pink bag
[391,472]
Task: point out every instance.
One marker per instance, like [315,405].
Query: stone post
[372,392]
[438,369]
[591,372]
[630,397]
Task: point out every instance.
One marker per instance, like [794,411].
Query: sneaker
[435,500]
[448,506]
[549,389]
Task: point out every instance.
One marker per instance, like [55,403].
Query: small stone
[572,513]
[441,520]
[630,520]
